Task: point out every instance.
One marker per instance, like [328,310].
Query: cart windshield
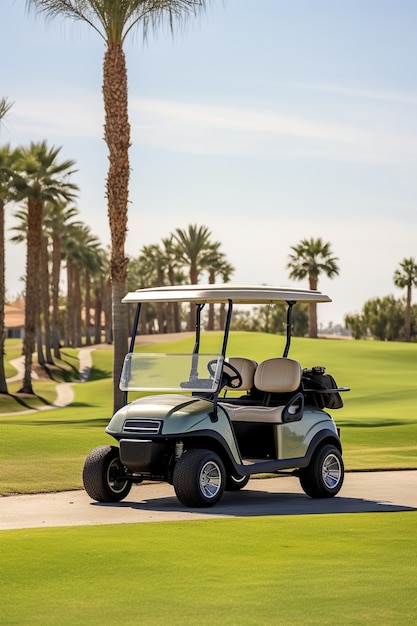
[171,372]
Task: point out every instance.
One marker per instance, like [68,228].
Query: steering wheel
[233,380]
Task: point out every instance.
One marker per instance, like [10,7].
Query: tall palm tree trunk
[69,341]
[98,308]
[108,332]
[3,383]
[46,302]
[117,137]
[56,266]
[41,327]
[77,308]
[39,344]
[312,311]
[193,310]
[87,300]
[34,237]
[174,320]
[407,315]
[210,324]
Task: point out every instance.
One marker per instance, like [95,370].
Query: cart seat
[247,369]
[279,379]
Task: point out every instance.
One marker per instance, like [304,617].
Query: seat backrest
[278,375]
[246,368]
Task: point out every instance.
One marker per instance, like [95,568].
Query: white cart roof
[239,294]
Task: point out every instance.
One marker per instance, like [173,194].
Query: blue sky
[268,122]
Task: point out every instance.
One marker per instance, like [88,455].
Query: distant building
[14,319]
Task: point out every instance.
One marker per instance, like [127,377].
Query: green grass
[346,569]
[13,348]
[45,450]
[57,439]
[324,569]
[64,370]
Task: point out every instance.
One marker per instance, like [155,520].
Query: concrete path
[19,365]
[64,391]
[369,492]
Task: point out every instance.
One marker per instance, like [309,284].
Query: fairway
[323,569]
[378,422]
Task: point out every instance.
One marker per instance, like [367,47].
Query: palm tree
[92,266]
[57,218]
[406,277]
[141,275]
[44,293]
[44,322]
[6,163]
[174,276]
[5,106]
[100,280]
[310,258]
[4,187]
[217,266]
[74,244]
[155,263]
[8,159]
[113,21]
[225,270]
[194,248]
[20,229]
[39,178]
[73,250]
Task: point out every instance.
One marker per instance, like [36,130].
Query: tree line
[387,318]
[383,318]
[181,258]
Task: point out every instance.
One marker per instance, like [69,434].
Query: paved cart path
[64,391]
[156,502]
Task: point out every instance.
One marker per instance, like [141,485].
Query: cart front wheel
[236,483]
[104,476]
[199,478]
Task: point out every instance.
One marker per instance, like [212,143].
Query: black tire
[323,478]
[236,483]
[103,475]
[199,478]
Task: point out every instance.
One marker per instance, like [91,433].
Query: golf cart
[206,422]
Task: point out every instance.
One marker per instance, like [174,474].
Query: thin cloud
[216,130]
[395,97]
[68,113]
[238,119]
[261,132]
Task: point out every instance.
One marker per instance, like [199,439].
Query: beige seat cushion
[260,414]
[279,375]
[246,368]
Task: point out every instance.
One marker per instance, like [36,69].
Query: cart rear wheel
[323,478]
